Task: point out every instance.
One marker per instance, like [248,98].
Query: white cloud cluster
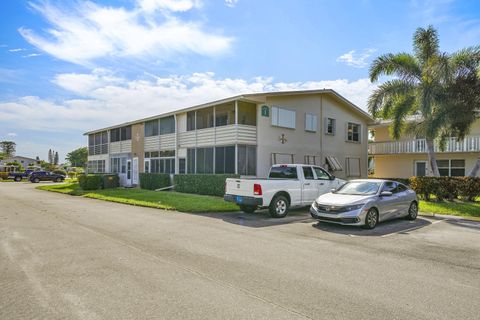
[107,99]
[85,31]
[357,60]
[231,3]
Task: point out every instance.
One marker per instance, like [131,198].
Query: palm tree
[427,84]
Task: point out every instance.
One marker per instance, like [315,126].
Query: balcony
[222,135]
[469,144]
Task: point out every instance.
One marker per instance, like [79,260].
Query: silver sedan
[365,203]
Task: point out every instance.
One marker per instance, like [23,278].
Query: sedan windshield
[363,188]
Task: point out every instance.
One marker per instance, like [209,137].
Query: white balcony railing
[469,144]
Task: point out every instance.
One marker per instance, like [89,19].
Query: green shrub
[72,174]
[3,175]
[153,181]
[90,181]
[110,181]
[207,184]
[60,172]
[469,188]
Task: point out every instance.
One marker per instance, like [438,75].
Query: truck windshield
[283,172]
[359,188]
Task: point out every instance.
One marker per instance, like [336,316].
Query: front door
[129,172]
[420,168]
[135,171]
[309,189]
[323,181]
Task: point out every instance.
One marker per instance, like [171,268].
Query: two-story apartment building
[407,157]
[243,135]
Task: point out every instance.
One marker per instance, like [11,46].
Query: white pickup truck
[287,185]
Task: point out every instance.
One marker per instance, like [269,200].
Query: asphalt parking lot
[64,257]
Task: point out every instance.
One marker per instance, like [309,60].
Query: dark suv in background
[38,176]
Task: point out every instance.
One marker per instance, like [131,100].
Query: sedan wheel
[36,180]
[371,219]
[412,211]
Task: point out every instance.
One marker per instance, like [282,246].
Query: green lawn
[456,208]
[146,198]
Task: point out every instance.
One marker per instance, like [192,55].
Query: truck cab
[287,185]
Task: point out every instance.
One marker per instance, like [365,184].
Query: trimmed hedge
[3,175]
[207,184]
[90,181]
[110,181]
[467,188]
[98,181]
[153,181]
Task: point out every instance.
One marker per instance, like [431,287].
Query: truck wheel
[18,179]
[58,180]
[279,207]
[248,209]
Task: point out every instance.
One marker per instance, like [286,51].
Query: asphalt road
[64,257]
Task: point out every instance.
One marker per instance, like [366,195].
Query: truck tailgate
[240,187]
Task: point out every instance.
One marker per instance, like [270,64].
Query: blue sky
[67,67]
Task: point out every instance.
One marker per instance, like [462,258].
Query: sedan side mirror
[385,194]
[332,177]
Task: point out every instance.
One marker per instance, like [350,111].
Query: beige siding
[403,165]
[301,143]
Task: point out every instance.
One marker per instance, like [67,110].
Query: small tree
[78,157]
[55,158]
[8,148]
[50,156]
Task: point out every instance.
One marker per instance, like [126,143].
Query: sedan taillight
[257,189]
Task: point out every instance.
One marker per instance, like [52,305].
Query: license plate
[239,199]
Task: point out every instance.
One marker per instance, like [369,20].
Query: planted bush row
[153,181]
[98,181]
[3,175]
[207,184]
[467,188]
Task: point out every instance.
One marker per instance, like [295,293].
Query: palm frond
[400,110]
[425,44]
[386,91]
[403,65]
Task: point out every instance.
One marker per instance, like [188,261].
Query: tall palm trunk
[475,169]
[432,161]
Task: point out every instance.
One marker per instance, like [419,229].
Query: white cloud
[17,50]
[87,31]
[170,5]
[357,60]
[107,99]
[231,3]
[11,134]
[31,55]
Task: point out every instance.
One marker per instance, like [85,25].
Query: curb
[448,217]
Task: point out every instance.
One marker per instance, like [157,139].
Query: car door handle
[306,184]
[321,184]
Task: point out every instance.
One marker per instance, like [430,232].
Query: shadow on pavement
[399,226]
[475,225]
[261,218]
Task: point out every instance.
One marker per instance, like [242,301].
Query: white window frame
[311,122]
[359,132]
[334,126]
[278,122]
